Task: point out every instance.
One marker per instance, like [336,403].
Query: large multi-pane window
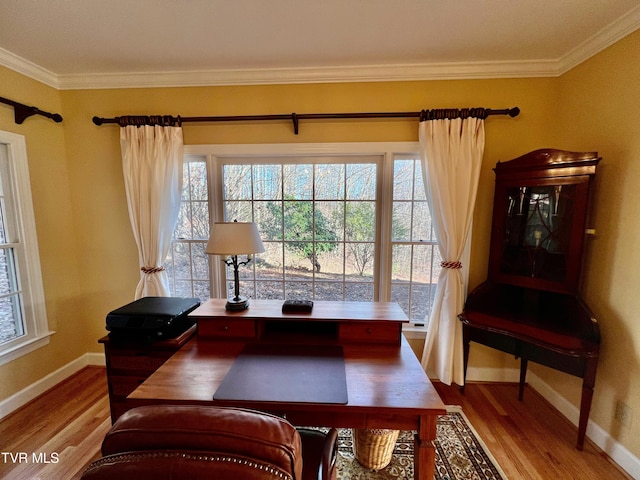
[345,226]
[23,324]
[317,219]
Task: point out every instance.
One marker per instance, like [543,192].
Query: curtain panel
[451,153]
[152,166]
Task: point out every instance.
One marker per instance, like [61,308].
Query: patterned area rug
[460,455]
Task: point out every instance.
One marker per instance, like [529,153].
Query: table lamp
[231,239]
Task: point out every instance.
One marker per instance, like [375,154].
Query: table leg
[424,457]
[523,377]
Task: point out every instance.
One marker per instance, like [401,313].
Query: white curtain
[152,166]
[451,153]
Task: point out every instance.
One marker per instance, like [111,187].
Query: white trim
[28,69]
[333,74]
[598,435]
[601,40]
[292,149]
[24,396]
[303,75]
[28,267]
[21,349]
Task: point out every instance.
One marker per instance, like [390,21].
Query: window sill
[414,332]
[25,347]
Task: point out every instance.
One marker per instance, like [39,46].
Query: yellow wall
[88,253]
[55,226]
[107,256]
[599,109]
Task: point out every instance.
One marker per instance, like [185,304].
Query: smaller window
[23,322]
[415,255]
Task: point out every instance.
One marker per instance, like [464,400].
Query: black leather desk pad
[286,373]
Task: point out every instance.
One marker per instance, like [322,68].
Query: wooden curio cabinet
[529,305]
[539,219]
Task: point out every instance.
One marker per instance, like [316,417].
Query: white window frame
[388,150]
[27,261]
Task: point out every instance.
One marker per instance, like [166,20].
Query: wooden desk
[387,387]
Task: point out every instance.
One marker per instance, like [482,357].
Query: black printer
[152,318]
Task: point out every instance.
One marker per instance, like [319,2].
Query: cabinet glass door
[538,233]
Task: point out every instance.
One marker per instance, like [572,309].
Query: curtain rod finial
[98,121]
[514,112]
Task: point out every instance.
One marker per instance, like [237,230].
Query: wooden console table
[386,385]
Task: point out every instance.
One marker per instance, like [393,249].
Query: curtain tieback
[454,265]
[149,270]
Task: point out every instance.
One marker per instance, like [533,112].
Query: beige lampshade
[234,238]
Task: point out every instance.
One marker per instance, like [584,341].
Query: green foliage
[306,232]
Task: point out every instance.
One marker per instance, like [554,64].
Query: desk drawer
[226,328]
[370,332]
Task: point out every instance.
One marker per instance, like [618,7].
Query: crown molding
[332,74]
[359,73]
[28,69]
[601,40]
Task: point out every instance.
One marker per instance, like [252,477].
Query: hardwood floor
[529,439]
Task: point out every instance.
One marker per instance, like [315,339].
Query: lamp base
[236,304]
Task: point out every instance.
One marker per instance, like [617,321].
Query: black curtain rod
[168,120]
[21,111]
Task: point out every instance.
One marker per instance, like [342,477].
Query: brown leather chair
[196,442]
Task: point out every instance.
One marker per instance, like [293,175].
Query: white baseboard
[27,394]
[616,451]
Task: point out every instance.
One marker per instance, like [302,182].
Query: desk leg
[424,451]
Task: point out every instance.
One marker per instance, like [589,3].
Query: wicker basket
[373,448]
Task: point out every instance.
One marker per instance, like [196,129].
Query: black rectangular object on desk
[297,306]
[152,318]
[286,373]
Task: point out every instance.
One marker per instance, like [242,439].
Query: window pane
[403,179]
[421,223]
[359,292]
[11,326]
[237,182]
[298,290]
[240,211]
[360,222]
[401,222]
[329,291]
[269,264]
[11,322]
[196,181]
[298,181]
[329,217]
[361,181]
[299,221]
[267,182]
[270,290]
[418,184]
[329,181]
[360,260]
